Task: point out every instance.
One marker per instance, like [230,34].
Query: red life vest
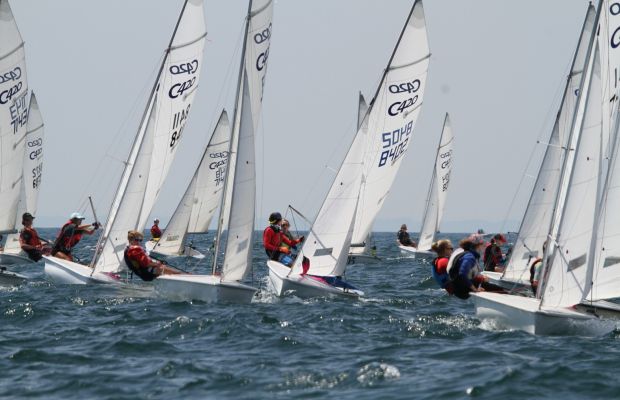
[66,240]
[30,237]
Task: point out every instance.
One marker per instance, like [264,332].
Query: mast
[135,147]
[576,127]
[235,132]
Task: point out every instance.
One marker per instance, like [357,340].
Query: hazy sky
[498,67]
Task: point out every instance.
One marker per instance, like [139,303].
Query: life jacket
[443,280]
[65,241]
[454,265]
[30,236]
[146,274]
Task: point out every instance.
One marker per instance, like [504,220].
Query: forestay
[13,115]
[568,267]
[32,171]
[438,190]
[539,212]
[158,136]
[242,167]
[202,196]
[392,117]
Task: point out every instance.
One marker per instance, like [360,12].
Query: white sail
[327,243]
[362,123]
[537,218]
[202,196]
[568,267]
[157,139]
[13,115]
[33,158]
[605,276]
[240,215]
[438,190]
[392,117]
[32,172]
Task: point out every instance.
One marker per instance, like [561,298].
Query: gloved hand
[301,239]
[284,250]
[96,225]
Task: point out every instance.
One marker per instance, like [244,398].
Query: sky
[497,66]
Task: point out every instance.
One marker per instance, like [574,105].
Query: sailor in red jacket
[272,237]
[155,231]
[140,263]
[70,234]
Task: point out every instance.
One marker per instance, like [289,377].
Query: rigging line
[229,79]
[343,140]
[116,138]
[543,130]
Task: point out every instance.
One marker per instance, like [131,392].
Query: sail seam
[260,10]
[12,51]
[187,43]
[393,67]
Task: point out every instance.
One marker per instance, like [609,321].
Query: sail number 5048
[395,143]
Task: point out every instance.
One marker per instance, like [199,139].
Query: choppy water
[406,339]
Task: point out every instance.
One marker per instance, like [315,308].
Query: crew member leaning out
[70,235]
[140,263]
[273,237]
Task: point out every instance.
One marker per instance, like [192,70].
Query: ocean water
[405,340]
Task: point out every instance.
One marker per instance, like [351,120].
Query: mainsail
[13,115]
[570,260]
[203,194]
[367,172]
[157,139]
[539,212]
[32,171]
[392,117]
[438,190]
[241,173]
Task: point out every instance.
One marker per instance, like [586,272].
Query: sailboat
[366,174]
[437,194]
[539,212]
[30,183]
[151,155]
[13,124]
[238,202]
[576,262]
[201,198]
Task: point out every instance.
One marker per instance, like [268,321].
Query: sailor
[29,240]
[463,269]
[403,238]
[273,237]
[443,248]
[155,231]
[140,263]
[493,256]
[70,234]
[536,270]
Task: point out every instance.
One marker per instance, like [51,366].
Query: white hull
[64,272]
[303,286]
[525,314]
[14,259]
[187,252]
[8,278]
[413,251]
[207,288]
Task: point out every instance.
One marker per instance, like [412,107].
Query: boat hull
[207,288]
[413,251]
[14,259]
[8,278]
[63,272]
[525,314]
[304,286]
